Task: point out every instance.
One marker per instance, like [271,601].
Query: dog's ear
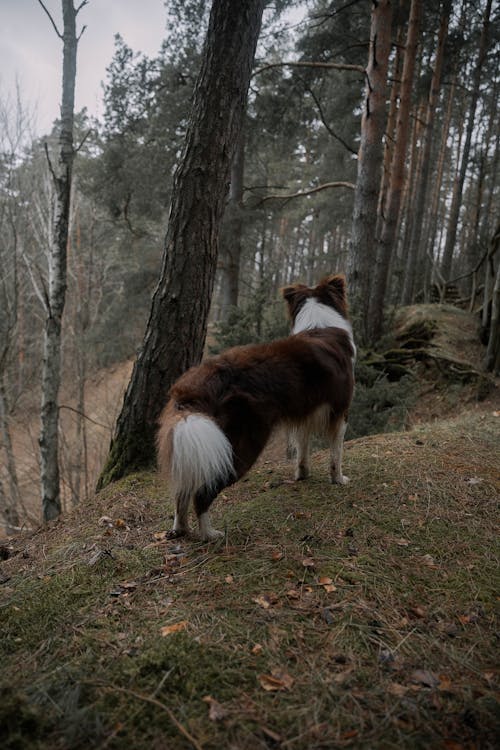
[337,283]
[289,292]
[294,295]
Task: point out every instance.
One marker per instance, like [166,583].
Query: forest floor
[329,617]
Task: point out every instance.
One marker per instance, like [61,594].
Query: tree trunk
[232,234]
[416,256]
[51,369]
[397,178]
[176,330]
[10,503]
[457,194]
[492,359]
[370,157]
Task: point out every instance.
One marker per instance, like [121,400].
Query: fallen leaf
[257,649]
[349,734]
[216,711]
[474,480]
[277,555]
[445,685]
[105,520]
[175,628]
[276,681]
[341,677]
[394,688]
[403,542]
[293,594]
[417,611]
[425,677]
[329,588]
[229,579]
[324,581]
[120,523]
[308,562]
[429,561]
[266,600]
[161,536]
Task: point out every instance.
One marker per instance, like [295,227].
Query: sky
[31,52]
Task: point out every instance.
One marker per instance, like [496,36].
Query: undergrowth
[329,617]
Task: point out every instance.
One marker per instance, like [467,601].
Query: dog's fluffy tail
[194,452]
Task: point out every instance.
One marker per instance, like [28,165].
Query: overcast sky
[30,49]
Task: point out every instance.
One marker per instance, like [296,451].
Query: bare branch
[323,120]
[328,65]
[77,10]
[41,293]
[77,149]
[80,34]
[51,20]
[302,193]
[51,168]
[82,414]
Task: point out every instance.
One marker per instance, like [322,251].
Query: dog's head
[330,291]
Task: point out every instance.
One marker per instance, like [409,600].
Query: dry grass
[369,610]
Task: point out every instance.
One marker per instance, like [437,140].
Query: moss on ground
[329,617]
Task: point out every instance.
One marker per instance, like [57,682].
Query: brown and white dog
[221,413]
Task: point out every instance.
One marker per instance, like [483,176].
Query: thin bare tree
[55,295]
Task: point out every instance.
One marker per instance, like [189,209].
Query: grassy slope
[369,609]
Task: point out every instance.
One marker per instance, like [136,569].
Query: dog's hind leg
[301,435]
[337,430]
[202,502]
[181,525]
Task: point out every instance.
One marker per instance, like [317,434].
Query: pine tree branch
[303,193]
[328,65]
[323,120]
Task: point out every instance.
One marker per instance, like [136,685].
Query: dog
[221,413]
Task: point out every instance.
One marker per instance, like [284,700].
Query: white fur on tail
[201,455]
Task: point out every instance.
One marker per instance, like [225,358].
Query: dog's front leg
[337,433]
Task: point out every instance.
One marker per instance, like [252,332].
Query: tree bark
[51,368]
[451,234]
[370,158]
[415,262]
[232,234]
[388,235]
[176,330]
[492,358]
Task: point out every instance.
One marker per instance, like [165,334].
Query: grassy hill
[329,617]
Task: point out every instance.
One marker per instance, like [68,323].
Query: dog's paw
[176,533]
[301,473]
[342,479]
[211,535]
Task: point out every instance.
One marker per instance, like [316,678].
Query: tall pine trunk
[176,329]
[57,257]
[370,158]
[389,226]
[416,256]
[451,234]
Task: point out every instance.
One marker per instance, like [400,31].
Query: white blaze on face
[314,314]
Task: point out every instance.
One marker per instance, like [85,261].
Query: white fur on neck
[314,314]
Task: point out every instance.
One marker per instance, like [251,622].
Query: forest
[268,143]
[379,162]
